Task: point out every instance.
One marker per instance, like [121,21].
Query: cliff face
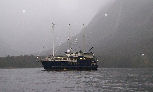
[122,34]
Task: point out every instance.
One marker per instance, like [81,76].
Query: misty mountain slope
[122,34]
[133,36]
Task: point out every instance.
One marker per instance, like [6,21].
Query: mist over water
[25,26]
[120,31]
[103,80]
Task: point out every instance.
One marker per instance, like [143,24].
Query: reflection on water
[103,80]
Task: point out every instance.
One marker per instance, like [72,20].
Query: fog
[25,25]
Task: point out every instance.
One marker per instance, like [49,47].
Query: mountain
[121,33]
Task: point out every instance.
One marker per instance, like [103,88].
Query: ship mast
[53,26]
[83,39]
[69,43]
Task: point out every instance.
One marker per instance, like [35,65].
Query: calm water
[103,80]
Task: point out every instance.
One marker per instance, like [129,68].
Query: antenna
[91,49]
[53,26]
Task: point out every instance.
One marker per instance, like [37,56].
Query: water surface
[103,80]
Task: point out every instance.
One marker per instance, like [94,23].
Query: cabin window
[64,58]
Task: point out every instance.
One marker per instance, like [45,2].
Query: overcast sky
[25,25]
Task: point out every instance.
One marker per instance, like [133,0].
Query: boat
[71,61]
[78,60]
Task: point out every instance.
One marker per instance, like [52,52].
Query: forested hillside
[19,62]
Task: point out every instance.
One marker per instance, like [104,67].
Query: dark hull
[64,65]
